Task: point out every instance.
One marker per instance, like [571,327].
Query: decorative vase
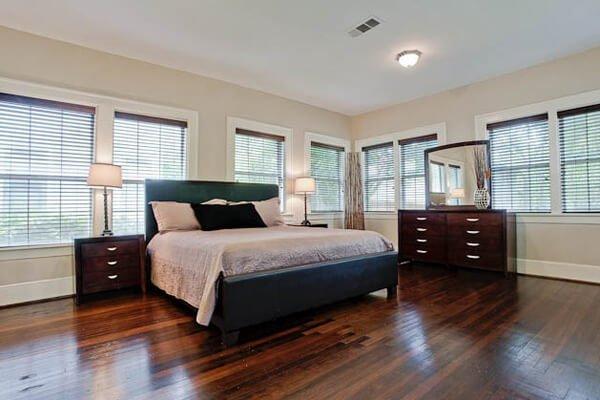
[481,198]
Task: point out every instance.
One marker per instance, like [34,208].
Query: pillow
[174,216]
[216,216]
[268,210]
[216,201]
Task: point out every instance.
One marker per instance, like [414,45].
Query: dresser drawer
[101,281]
[427,219]
[476,259]
[107,249]
[478,234]
[475,220]
[112,263]
[432,250]
[422,231]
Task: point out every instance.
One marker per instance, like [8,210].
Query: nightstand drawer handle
[111,248]
[472,244]
[422,240]
[421,229]
[472,232]
[472,219]
[473,257]
[421,218]
[113,276]
[111,263]
[422,251]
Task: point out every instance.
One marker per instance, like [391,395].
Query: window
[454,181]
[379,177]
[260,158]
[46,149]
[145,147]
[579,137]
[437,172]
[412,170]
[327,167]
[520,161]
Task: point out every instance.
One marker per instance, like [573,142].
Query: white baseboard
[36,290]
[551,269]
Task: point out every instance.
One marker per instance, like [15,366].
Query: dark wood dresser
[483,239]
[109,263]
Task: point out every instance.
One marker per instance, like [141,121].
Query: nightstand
[109,263]
[312,226]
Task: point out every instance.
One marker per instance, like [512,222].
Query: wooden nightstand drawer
[109,248]
[109,263]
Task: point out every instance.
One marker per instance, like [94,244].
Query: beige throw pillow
[174,216]
[267,209]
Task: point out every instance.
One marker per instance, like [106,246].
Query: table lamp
[305,186]
[105,176]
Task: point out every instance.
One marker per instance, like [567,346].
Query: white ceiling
[300,49]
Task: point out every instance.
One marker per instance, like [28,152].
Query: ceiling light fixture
[409,58]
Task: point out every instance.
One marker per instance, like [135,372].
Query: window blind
[412,170]
[379,177]
[579,138]
[260,158]
[327,168]
[145,147]
[46,148]
[520,162]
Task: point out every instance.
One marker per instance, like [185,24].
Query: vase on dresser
[481,198]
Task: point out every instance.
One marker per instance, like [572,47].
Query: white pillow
[174,216]
[219,202]
[267,209]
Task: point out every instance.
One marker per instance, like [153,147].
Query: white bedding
[187,264]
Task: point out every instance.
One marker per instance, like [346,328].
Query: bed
[242,277]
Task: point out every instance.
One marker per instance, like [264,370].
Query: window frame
[103,137]
[309,138]
[552,108]
[234,123]
[395,138]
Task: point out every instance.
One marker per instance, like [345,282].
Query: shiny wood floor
[447,336]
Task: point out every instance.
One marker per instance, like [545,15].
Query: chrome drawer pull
[473,232]
[472,219]
[421,229]
[113,276]
[111,263]
[422,240]
[421,218]
[111,248]
[473,257]
[472,244]
[422,251]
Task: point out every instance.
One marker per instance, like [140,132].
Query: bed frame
[253,298]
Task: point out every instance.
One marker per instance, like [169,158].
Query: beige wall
[550,247]
[36,59]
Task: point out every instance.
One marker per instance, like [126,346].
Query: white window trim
[439,129]
[103,133]
[310,137]
[551,107]
[234,123]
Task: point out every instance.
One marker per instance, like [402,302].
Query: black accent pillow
[216,216]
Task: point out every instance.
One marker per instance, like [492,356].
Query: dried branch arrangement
[482,173]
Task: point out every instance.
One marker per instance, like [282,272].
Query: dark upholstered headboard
[200,191]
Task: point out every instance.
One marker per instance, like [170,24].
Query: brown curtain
[354,215]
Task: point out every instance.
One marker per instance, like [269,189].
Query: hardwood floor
[470,335]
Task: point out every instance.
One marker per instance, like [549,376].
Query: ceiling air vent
[364,27]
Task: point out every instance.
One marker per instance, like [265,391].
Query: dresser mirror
[458,176]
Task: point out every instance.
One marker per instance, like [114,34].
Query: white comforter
[187,264]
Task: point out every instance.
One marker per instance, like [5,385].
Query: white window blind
[327,168]
[145,147]
[379,177]
[579,136]
[260,158]
[412,170]
[46,148]
[520,161]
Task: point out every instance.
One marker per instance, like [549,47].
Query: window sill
[36,251]
[533,218]
[389,215]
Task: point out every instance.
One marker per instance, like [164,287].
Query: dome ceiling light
[408,58]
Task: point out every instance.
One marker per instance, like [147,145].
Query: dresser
[471,238]
[109,263]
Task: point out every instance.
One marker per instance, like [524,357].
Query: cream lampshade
[105,176]
[305,185]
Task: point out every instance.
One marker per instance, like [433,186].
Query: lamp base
[107,232]
[305,223]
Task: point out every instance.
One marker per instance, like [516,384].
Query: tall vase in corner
[481,198]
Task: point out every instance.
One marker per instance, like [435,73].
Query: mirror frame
[450,146]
